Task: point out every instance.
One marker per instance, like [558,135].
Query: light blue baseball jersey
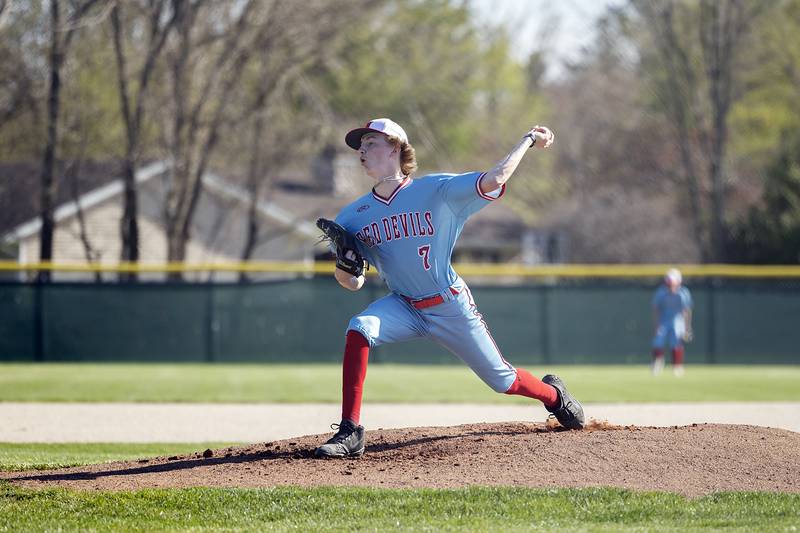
[670,306]
[409,237]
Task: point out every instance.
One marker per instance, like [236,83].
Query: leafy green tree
[450,81]
[764,135]
[507,103]
[22,52]
[771,232]
[88,106]
[415,62]
[771,104]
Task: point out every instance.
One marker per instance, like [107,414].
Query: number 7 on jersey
[424,252]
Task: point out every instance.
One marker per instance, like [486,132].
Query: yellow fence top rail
[466,269]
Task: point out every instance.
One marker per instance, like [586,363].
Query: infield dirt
[690,460]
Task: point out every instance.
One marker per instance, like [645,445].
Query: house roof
[85,201]
[275,210]
[20,188]
[109,188]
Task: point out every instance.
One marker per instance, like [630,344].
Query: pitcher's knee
[368,326]
[501,381]
[499,388]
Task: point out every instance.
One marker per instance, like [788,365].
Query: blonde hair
[408,156]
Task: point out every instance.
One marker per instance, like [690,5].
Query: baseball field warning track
[690,460]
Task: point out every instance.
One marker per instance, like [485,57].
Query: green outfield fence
[538,315]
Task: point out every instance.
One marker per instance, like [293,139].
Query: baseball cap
[379,125]
[674,275]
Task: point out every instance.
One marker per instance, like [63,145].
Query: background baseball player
[672,316]
[407,230]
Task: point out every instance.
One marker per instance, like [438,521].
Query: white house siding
[102,227]
[218,237]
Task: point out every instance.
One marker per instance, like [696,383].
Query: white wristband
[532,137]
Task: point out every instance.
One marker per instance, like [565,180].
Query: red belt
[424,303]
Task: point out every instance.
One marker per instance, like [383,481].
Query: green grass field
[348,509]
[385,383]
[288,508]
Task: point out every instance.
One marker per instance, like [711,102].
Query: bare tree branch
[91,255]
[5,11]
[721,27]
[160,23]
[60,39]
[679,99]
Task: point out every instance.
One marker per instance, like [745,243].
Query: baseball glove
[347,256]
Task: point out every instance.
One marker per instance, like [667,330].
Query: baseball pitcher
[406,229]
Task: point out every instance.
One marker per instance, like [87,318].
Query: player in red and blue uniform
[672,317]
[407,228]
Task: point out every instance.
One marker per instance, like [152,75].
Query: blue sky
[564,26]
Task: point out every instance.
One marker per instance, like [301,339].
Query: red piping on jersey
[387,201]
[483,194]
[485,326]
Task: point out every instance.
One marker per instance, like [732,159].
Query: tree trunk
[194,141]
[129,226]
[48,184]
[159,30]
[89,253]
[693,193]
[176,248]
[60,38]
[253,178]
[721,29]
[679,104]
[710,36]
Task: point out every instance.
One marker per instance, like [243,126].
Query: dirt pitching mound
[691,460]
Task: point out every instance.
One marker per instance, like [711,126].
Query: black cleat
[568,412]
[347,442]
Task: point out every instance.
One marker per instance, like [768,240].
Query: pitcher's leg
[354,371]
[466,335]
[386,320]
[529,385]
[479,350]
[458,326]
[468,339]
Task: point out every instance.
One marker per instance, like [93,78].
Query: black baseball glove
[347,256]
